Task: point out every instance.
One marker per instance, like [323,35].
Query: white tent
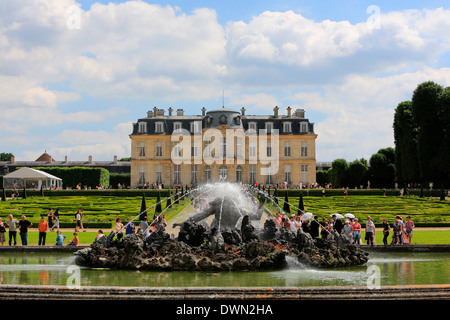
[31,179]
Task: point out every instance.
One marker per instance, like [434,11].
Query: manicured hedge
[71,177]
[123,179]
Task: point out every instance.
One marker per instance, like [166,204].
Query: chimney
[170,111]
[65,159]
[275,112]
[243,111]
[288,111]
[13,159]
[203,111]
[155,111]
[300,113]
[149,114]
[90,159]
[180,112]
[115,159]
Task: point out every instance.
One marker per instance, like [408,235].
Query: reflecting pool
[391,269]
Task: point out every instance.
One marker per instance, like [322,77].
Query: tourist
[292,224]
[56,224]
[324,232]
[23,225]
[118,228]
[370,231]
[305,226]
[99,235]
[11,222]
[409,226]
[314,228]
[60,238]
[386,229]
[50,217]
[278,219]
[298,222]
[286,223]
[144,225]
[337,224]
[129,227]
[79,218]
[348,230]
[356,228]
[2,232]
[75,240]
[397,230]
[42,228]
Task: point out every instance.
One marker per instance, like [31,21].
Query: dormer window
[159,127]
[177,126]
[195,126]
[142,127]
[223,119]
[287,127]
[269,127]
[252,127]
[304,127]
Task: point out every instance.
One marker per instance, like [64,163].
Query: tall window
[159,149]
[141,149]
[252,174]
[269,148]
[194,151]
[252,149]
[194,176]
[287,149]
[158,173]
[287,174]
[238,174]
[304,174]
[224,147]
[304,150]
[141,175]
[208,174]
[269,176]
[195,126]
[177,174]
[239,151]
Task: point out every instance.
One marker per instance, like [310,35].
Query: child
[60,238]
[99,234]
[75,240]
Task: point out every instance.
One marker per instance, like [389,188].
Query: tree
[339,173]
[5,156]
[323,177]
[430,108]
[286,206]
[382,168]
[143,212]
[405,137]
[357,173]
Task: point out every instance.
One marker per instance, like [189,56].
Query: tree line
[422,147]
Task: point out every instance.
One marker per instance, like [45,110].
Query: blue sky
[76,91]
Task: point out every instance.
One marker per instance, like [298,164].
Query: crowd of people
[402,232]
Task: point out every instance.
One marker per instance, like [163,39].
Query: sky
[75,75]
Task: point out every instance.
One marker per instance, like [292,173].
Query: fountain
[227,231]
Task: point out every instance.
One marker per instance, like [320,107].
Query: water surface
[392,269]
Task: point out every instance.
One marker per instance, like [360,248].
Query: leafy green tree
[323,177]
[405,137]
[5,156]
[339,173]
[357,173]
[430,108]
[382,168]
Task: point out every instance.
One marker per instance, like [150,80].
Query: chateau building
[223,144]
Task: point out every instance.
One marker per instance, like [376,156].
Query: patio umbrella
[306,216]
[338,215]
[349,215]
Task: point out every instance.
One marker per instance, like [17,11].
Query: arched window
[223,173]
[238,174]
[223,119]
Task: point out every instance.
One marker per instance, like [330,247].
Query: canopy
[30,178]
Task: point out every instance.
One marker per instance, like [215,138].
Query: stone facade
[291,152]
